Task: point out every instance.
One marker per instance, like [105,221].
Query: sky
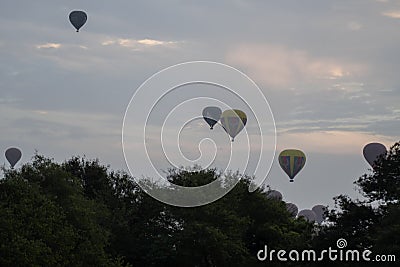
[329,70]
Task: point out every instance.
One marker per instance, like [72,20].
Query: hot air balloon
[13,155]
[319,211]
[78,19]
[233,121]
[292,161]
[372,151]
[292,209]
[212,115]
[275,195]
[309,215]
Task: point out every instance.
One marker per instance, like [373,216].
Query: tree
[372,223]
[33,230]
[80,213]
[137,223]
[230,231]
[49,219]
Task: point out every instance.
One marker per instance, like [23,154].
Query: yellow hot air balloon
[292,161]
[233,121]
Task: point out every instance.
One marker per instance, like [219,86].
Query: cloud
[152,42]
[108,42]
[279,66]
[392,14]
[359,123]
[354,26]
[53,121]
[352,90]
[331,142]
[48,45]
[41,112]
[102,53]
[138,44]
[9,100]
[61,133]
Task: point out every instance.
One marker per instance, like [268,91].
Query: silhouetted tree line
[80,213]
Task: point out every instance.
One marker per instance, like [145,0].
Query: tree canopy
[81,213]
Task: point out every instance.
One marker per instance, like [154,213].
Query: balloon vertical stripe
[292,161]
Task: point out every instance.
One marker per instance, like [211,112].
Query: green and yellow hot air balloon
[292,161]
[233,121]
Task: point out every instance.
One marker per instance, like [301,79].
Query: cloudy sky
[329,70]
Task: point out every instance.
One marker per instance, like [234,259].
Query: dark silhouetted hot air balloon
[78,19]
[275,195]
[292,161]
[292,209]
[372,151]
[309,215]
[319,211]
[233,121]
[212,115]
[13,155]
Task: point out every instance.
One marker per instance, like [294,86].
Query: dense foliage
[374,222]
[79,213]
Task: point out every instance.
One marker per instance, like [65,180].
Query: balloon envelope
[319,211]
[292,209]
[212,115]
[275,195]
[309,215]
[372,151]
[233,121]
[13,155]
[292,161]
[78,19]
